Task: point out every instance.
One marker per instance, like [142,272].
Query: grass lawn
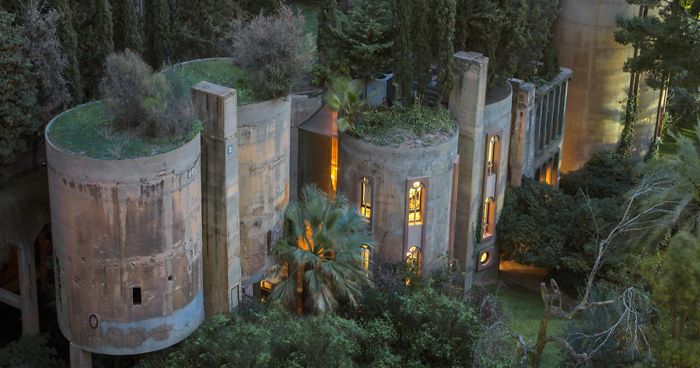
[86,130]
[523,309]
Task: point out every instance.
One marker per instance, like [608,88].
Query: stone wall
[263,169]
[391,170]
[584,35]
[127,241]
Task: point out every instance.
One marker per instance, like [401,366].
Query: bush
[142,101]
[275,51]
[30,352]
[605,175]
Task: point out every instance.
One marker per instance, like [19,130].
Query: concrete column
[523,115]
[79,358]
[467,103]
[217,107]
[27,290]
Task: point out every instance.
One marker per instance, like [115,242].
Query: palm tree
[321,255]
[681,193]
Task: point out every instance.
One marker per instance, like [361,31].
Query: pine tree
[95,40]
[157,30]
[364,39]
[326,24]
[18,112]
[69,42]
[127,33]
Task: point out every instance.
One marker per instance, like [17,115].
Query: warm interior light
[365,256]
[484,258]
[415,204]
[266,285]
[334,163]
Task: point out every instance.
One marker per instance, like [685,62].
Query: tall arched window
[415,204]
[413,260]
[492,155]
[366,197]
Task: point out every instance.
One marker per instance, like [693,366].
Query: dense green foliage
[324,40]
[30,352]
[18,111]
[157,30]
[69,43]
[605,175]
[362,38]
[424,33]
[200,26]
[322,248]
[408,328]
[397,124]
[219,71]
[676,293]
[669,41]
[48,60]
[94,20]
[127,31]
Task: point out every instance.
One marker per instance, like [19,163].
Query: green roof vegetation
[87,129]
[217,71]
[399,125]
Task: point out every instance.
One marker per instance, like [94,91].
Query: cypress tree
[422,40]
[69,42]
[95,40]
[127,33]
[326,24]
[403,52]
[445,16]
[157,30]
[18,106]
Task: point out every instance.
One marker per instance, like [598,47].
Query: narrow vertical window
[334,163]
[365,256]
[415,204]
[366,198]
[136,295]
[491,156]
[488,223]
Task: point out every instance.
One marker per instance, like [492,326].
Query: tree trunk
[300,290]
[541,341]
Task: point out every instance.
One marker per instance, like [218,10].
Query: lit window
[491,156]
[484,258]
[334,163]
[488,217]
[365,256]
[265,285]
[415,204]
[413,260]
[366,198]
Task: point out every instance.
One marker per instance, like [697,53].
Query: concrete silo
[585,38]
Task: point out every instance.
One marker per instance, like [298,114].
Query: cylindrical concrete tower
[406,193]
[585,38]
[263,165]
[128,243]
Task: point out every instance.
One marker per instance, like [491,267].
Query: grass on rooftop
[86,130]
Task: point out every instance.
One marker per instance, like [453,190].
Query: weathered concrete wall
[467,103]
[584,36]
[127,240]
[497,122]
[304,106]
[392,169]
[263,167]
[217,107]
